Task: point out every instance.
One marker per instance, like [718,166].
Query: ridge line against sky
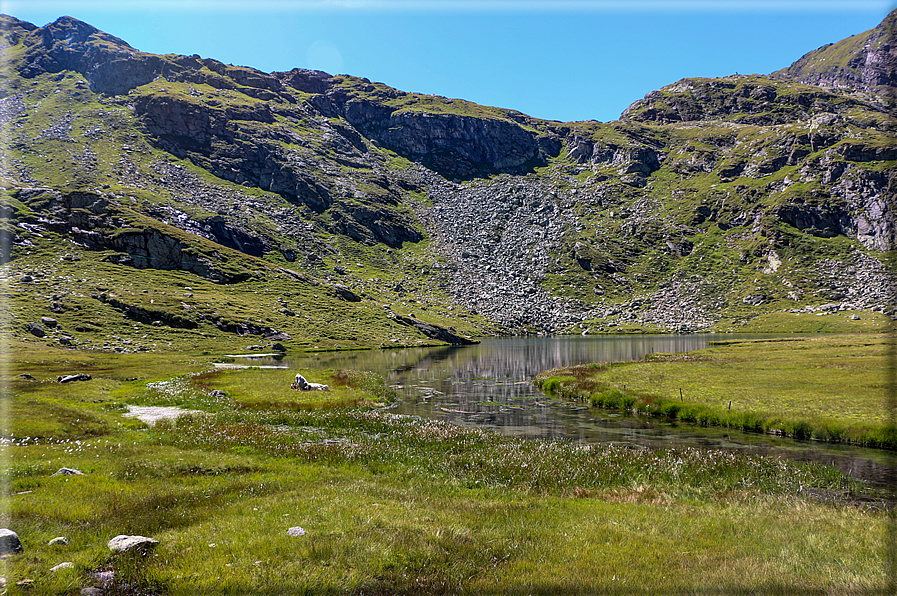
[562,60]
[553,6]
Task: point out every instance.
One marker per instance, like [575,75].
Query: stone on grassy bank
[68,472]
[132,544]
[74,377]
[9,542]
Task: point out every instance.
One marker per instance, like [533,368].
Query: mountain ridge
[865,62]
[711,203]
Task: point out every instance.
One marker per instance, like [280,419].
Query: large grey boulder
[124,543]
[9,542]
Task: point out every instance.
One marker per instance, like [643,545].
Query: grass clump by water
[393,504]
[828,388]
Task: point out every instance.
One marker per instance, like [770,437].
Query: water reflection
[490,385]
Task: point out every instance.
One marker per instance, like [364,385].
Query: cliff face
[670,218]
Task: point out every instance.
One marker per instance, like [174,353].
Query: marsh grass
[829,388]
[398,505]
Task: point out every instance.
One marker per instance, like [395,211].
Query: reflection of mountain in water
[519,358]
[490,384]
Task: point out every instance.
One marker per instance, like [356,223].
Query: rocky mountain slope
[863,62]
[333,211]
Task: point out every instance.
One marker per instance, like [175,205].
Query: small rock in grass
[91,592]
[139,544]
[70,378]
[61,566]
[218,393]
[296,531]
[104,578]
[9,542]
[68,472]
[61,540]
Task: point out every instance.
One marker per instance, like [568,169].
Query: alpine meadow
[165,217]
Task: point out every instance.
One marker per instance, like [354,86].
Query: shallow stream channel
[491,385]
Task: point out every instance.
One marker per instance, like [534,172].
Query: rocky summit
[155,201]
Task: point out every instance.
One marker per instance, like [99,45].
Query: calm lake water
[490,385]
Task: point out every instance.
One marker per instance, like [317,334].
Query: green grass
[151,309]
[787,322]
[826,388]
[392,504]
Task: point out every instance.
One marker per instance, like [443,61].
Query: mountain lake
[490,385]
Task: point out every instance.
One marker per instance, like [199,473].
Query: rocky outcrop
[866,62]
[212,138]
[370,224]
[112,66]
[444,138]
[434,331]
[152,249]
[95,222]
[872,206]
[454,145]
[307,81]
[746,99]
[247,328]
[824,221]
[227,143]
[147,315]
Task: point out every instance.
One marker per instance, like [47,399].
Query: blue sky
[561,60]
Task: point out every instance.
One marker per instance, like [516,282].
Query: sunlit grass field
[829,388]
[389,504]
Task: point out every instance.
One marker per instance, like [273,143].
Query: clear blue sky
[555,59]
